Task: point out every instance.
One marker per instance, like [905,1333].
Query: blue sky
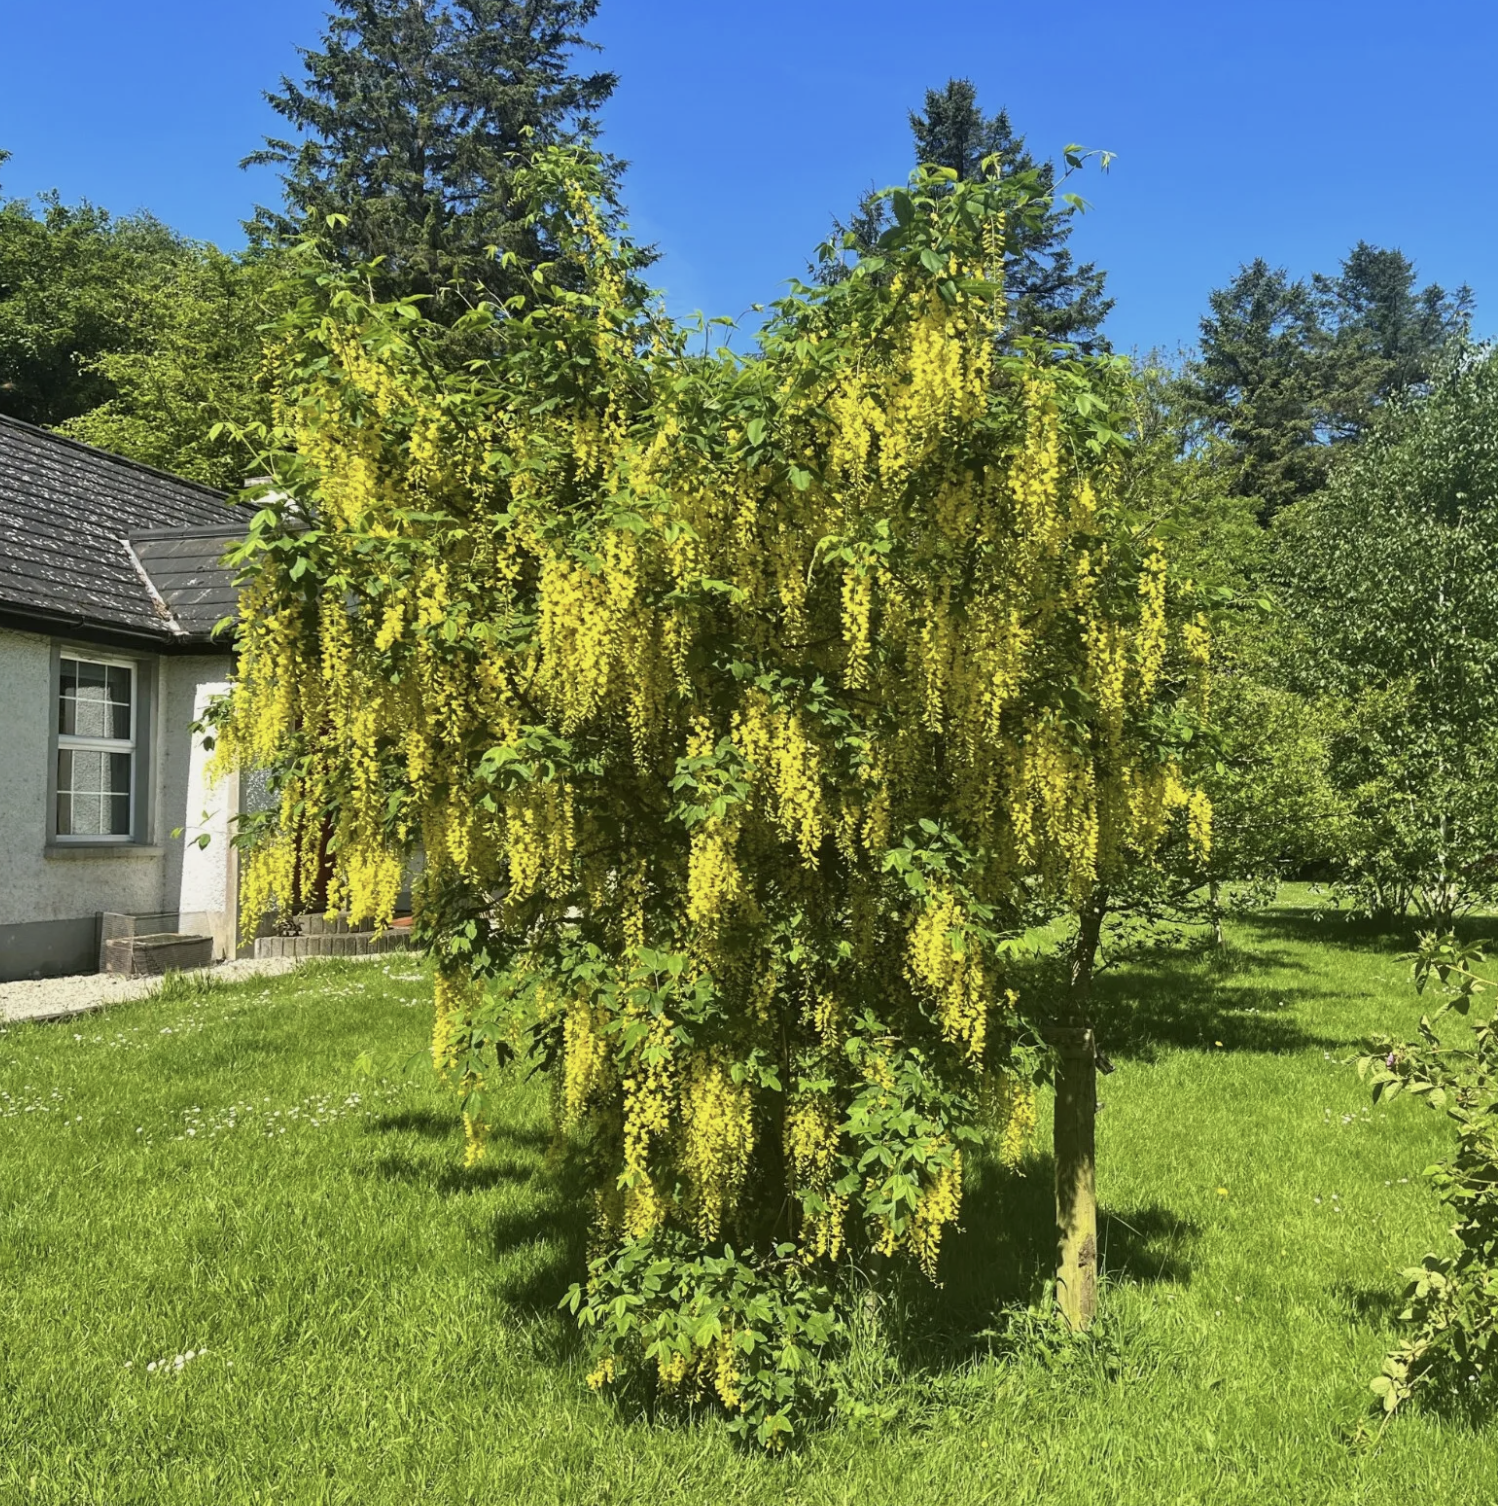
[1271,128]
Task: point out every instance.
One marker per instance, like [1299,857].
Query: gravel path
[60,998]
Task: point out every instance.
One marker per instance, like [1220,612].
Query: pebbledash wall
[51,892]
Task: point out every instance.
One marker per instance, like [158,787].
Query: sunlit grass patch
[370,1322]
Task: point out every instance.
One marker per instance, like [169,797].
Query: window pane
[94,700]
[93,793]
[68,696]
[90,713]
[88,815]
[88,772]
[119,701]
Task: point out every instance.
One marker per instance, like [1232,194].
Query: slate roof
[68,516]
[183,565]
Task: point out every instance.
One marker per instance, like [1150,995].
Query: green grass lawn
[371,1323]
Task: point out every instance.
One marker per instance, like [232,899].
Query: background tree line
[1267,451]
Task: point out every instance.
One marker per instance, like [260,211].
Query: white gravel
[57,998]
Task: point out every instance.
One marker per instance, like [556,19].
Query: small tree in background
[1264,765]
[741,710]
[1392,619]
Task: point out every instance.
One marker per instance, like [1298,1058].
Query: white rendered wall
[206,898]
[53,883]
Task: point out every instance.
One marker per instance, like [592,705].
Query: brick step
[333,944]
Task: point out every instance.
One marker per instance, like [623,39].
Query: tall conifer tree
[1289,368]
[1384,335]
[411,118]
[1047,293]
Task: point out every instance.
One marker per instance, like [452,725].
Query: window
[96,729]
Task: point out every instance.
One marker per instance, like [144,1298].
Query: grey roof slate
[184,566]
[66,512]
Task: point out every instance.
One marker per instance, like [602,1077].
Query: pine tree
[412,117]
[1288,369]
[1257,383]
[1047,293]
[1383,335]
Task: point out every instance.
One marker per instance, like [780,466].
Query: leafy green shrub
[1451,1307]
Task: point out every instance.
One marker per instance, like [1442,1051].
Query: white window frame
[70,742]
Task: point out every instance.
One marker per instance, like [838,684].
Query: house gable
[68,515]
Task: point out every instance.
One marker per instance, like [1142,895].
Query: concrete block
[150,956]
[115,928]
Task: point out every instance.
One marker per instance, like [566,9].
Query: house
[110,590]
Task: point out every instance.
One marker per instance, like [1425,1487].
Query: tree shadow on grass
[1329,926]
[536,1238]
[1003,1254]
[425,1122]
[1371,1305]
[429,1124]
[1178,1000]
[450,1180]
[1253,997]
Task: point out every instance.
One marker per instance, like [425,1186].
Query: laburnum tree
[742,710]
[412,119]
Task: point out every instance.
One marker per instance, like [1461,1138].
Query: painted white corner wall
[206,896]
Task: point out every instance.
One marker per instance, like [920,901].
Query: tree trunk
[1076,1128]
[1214,895]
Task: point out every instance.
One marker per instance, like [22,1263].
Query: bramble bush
[738,710]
